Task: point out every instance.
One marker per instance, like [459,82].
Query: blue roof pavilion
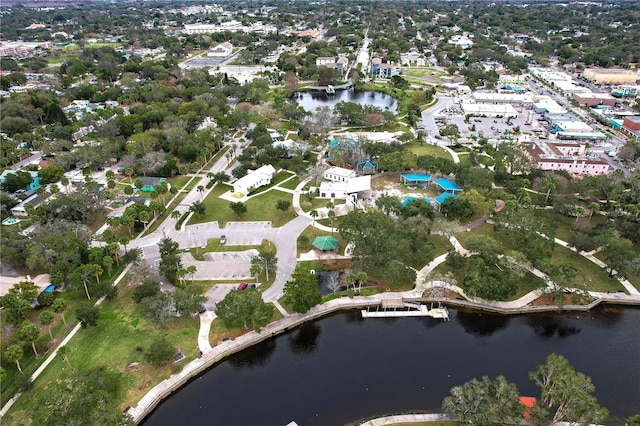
[448,186]
[410,199]
[440,199]
[415,178]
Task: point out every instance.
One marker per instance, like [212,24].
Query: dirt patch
[335,264]
[146,383]
[569,299]
[131,367]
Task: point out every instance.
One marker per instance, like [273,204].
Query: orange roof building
[528,402]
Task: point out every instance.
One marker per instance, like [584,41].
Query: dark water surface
[312,100]
[342,368]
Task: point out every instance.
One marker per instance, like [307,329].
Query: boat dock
[393,308]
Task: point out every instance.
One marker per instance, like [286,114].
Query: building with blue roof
[447,186]
[440,199]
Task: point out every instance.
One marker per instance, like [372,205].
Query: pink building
[571,158]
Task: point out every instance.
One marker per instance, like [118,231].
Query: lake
[342,369]
[312,100]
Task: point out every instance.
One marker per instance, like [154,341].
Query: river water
[312,100]
[343,368]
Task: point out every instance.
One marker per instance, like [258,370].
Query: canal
[342,369]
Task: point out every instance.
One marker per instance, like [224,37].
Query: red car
[242,286]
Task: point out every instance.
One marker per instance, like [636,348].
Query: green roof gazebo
[325,243]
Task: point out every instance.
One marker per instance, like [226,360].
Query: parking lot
[489,127]
[229,265]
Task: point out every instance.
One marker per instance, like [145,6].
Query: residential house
[33,201]
[254,179]
[150,182]
[35,179]
[326,61]
[343,64]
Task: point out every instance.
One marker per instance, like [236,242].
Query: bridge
[330,89]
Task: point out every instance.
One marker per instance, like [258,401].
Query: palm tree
[64,353]
[129,172]
[314,215]
[176,214]
[593,207]
[200,190]
[191,271]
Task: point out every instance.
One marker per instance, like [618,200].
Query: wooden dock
[398,308]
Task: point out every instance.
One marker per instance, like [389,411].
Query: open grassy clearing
[440,243]
[259,208]
[595,278]
[317,203]
[526,284]
[427,149]
[291,183]
[567,226]
[422,72]
[120,338]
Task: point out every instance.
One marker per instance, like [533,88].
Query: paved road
[427,117]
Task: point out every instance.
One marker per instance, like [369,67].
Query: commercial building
[222,50]
[594,99]
[631,126]
[348,190]
[383,70]
[611,76]
[575,159]
[503,98]
[489,110]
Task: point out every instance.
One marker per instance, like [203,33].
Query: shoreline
[210,358]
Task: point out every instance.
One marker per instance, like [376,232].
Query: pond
[342,369]
[312,100]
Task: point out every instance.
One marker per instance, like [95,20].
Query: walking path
[405,418]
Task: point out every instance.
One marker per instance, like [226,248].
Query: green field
[259,208]
[590,277]
[427,149]
[422,72]
[119,339]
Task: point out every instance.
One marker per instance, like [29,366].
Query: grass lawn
[596,278]
[305,239]
[291,183]
[422,72]
[99,45]
[317,203]
[526,284]
[441,244]
[464,158]
[178,181]
[260,208]
[279,177]
[120,337]
[426,149]
[566,226]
